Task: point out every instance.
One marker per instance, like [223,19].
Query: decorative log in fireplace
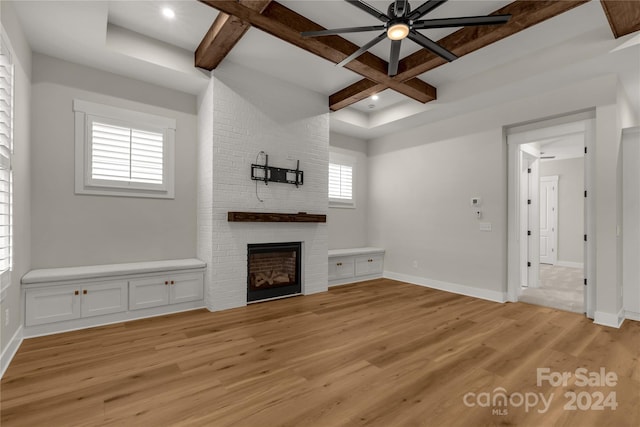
[273,270]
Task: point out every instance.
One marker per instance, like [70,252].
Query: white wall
[73,230]
[348,226]
[421,181]
[10,297]
[570,174]
[242,113]
[631,223]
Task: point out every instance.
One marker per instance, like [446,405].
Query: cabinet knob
[339,264]
[76,293]
[166,282]
[84,292]
[172,282]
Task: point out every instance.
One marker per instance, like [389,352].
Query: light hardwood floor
[378,353]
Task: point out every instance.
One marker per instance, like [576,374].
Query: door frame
[554,216]
[517,135]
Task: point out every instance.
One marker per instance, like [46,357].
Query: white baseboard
[609,319]
[350,280]
[10,351]
[632,315]
[449,287]
[570,264]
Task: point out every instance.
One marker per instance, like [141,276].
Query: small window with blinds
[123,153]
[341,173]
[6,149]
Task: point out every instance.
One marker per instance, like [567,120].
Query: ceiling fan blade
[429,44]
[342,30]
[394,57]
[461,22]
[369,9]
[425,8]
[363,49]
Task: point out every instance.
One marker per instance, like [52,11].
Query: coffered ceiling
[132,38]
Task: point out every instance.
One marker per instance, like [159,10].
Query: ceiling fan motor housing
[399,9]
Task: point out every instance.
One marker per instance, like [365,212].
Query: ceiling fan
[401,22]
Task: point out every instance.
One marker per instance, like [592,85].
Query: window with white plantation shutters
[341,172]
[6,146]
[123,153]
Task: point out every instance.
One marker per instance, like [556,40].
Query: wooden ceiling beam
[623,16]
[466,40]
[223,35]
[287,25]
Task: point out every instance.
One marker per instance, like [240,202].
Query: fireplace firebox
[273,270]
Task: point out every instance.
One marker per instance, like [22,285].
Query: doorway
[549,214]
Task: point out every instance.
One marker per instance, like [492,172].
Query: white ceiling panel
[132,38]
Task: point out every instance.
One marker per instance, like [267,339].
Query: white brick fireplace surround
[242,113]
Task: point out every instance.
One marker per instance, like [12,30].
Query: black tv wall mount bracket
[269,174]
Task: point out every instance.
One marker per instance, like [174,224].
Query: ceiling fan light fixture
[398,31]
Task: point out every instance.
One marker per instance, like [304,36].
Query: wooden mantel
[274,217]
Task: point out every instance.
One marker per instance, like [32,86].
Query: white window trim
[85,113]
[5,276]
[346,160]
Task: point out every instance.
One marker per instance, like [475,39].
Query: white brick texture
[242,113]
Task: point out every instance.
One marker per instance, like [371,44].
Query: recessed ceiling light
[168,13]
[375,97]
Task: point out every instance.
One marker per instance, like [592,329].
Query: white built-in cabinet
[55,304]
[355,265]
[163,290]
[71,298]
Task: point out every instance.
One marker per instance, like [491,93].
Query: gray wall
[74,230]
[348,226]
[420,211]
[421,180]
[570,174]
[10,298]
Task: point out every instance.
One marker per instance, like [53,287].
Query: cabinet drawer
[52,305]
[148,292]
[341,268]
[366,265]
[104,298]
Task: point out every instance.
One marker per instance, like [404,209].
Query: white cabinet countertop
[354,251]
[96,271]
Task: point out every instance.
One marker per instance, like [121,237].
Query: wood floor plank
[377,353]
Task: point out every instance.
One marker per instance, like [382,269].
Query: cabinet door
[186,287]
[52,305]
[148,292]
[104,298]
[340,268]
[367,265]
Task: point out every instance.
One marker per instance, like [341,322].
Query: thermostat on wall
[475,202]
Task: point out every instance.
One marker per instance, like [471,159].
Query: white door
[548,219]
[531,223]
